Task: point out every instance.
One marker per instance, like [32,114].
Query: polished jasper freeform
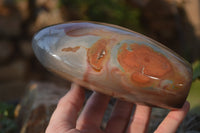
[115,61]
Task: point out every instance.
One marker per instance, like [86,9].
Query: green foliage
[196,70]
[7,122]
[194,95]
[110,11]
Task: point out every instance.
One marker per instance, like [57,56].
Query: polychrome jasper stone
[115,61]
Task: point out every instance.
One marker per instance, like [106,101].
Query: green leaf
[7,110]
[194,97]
[196,70]
[7,120]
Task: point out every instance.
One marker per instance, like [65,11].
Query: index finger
[65,115]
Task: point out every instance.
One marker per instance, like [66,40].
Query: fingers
[65,115]
[119,118]
[93,112]
[140,119]
[172,121]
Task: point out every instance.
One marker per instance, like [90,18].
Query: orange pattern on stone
[98,54]
[143,62]
[70,49]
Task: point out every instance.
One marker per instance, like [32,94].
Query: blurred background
[175,23]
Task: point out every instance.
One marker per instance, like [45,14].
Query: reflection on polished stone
[115,61]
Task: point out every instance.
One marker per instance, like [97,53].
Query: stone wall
[34,111]
[19,20]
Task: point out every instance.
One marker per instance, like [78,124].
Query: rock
[115,61]
[6,51]
[37,106]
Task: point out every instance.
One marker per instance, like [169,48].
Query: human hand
[69,117]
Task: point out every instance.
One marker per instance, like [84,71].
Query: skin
[71,117]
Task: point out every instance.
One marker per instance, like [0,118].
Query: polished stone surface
[115,61]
